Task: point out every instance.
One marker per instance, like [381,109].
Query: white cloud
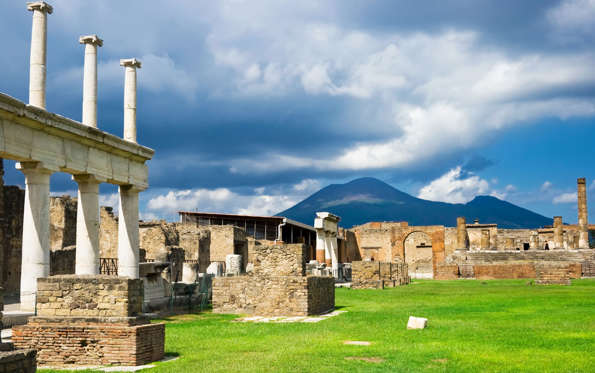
[437,93]
[224,200]
[573,19]
[454,187]
[546,186]
[111,200]
[565,198]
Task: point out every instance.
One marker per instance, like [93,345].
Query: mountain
[368,199]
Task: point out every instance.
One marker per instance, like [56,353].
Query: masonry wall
[90,320]
[378,275]
[276,286]
[62,222]
[11,224]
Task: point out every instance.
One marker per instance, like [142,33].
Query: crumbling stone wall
[21,361]
[62,222]
[63,261]
[11,224]
[108,233]
[276,287]
[378,275]
[155,237]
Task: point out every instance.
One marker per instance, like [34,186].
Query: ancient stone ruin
[378,275]
[277,286]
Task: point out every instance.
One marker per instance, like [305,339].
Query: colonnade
[36,222]
[327,228]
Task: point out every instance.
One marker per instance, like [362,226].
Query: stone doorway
[418,255]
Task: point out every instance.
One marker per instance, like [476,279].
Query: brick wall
[91,343]
[502,271]
[554,273]
[370,274]
[447,272]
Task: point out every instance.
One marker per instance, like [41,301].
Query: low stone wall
[554,273]
[321,295]
[373,275]
[90,320]
[21,361]
[63,261]
[503,271]
[447,272]
[515,264]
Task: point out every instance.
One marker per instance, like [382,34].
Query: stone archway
[418,254]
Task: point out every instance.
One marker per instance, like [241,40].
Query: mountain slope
[368,199]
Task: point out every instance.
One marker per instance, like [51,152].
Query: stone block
[417,322]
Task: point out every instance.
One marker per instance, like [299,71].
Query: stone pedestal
[233,264]
[90,320]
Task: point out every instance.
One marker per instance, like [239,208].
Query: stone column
[583,220]
[534,240]
[328,258]
[462,234]
[320,244]
[90,79]
[37,62]
[128,241]
[334,251]
[36,231]
[558,233]
[87,225]
[130,98]
[485,239]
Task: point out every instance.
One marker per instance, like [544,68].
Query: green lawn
[474,326]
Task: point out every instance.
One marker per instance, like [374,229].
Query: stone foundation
[277,286]
[90,320]
[22,361]
[378,275]
[554,273]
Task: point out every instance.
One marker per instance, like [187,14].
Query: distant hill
[368,199]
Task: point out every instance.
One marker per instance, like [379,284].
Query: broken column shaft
[558,233]
[461,233]
[583,221]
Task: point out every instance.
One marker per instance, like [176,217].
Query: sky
[251,106]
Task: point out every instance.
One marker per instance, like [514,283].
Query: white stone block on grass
[417,322]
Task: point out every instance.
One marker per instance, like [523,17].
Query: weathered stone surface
[417,322]
[233,264]
[377,275]
[277,286]
[21,361]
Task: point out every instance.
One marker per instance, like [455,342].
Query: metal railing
[108,266]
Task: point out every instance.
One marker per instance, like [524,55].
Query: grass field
[474,326]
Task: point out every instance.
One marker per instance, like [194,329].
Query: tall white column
[583,216]
[90,79]
[87,225]
[36,231]
[328,246]
[334,247]
[37,62]
[128,242]
[130,98]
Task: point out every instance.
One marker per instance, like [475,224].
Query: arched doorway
[418,255]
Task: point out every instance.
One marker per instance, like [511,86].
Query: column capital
[91,39]
[132,62]
[41,6]
[34,166]
[129,188]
